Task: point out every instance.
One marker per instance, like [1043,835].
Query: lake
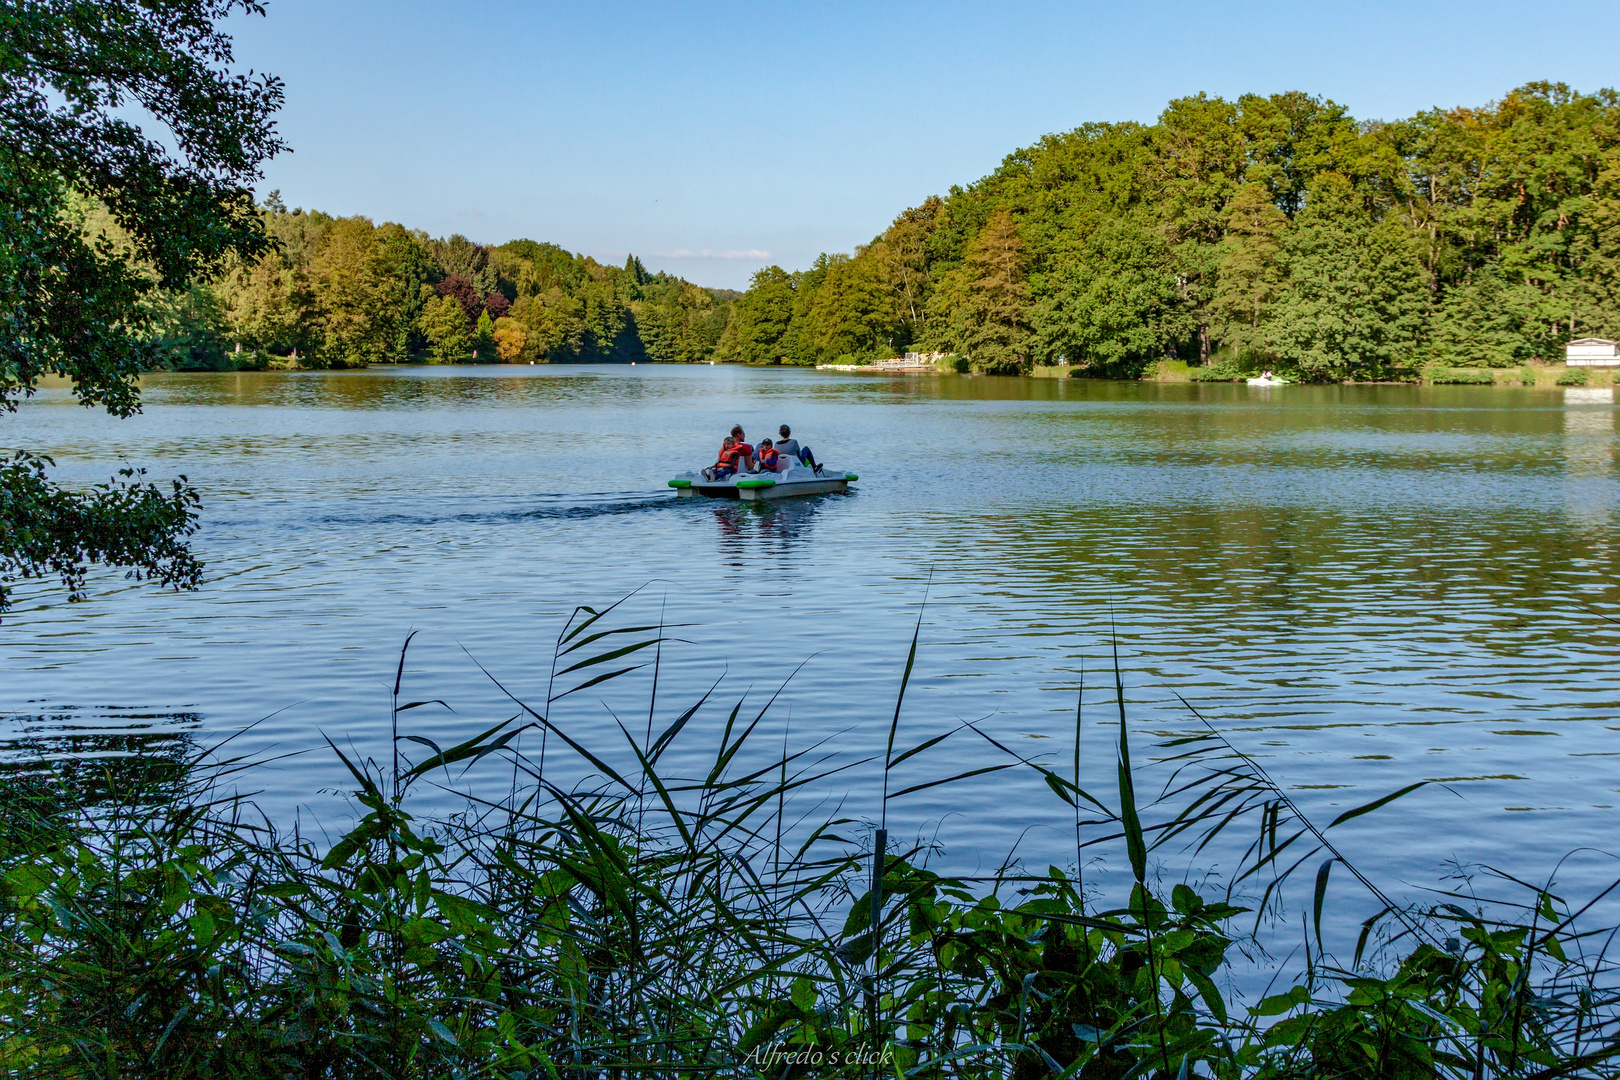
[1361,586]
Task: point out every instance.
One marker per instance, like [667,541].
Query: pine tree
[993,320]
[444,325]
[1250,276]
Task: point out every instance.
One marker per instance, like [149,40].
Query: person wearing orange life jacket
[769,460]
[726,464]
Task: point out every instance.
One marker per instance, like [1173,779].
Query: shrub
[1219,373]
[1527,376]
[1574,377]
[1460,376]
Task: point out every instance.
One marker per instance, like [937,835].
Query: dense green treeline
[1273,231]
[344,292]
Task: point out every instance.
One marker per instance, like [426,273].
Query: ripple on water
[1363,587]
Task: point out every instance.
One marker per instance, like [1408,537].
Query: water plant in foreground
[599,920]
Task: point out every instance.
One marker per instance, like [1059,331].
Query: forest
[1271,231]
[1267,232]
[344,292]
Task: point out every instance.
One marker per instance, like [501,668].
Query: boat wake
[519,508]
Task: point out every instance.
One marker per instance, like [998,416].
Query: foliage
[124,522]
[989,320]
[1574,377]
[444,324]
[104,236]
[1274,228]
[1115,305]
[642,922]
[1459,376]
[343,292]
[1251,273]
[1225,371]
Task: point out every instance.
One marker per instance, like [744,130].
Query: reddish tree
[459,287]
[496,304]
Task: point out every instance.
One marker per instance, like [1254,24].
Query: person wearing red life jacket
[769,460]
[744,450]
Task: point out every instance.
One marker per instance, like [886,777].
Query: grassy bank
[594,919]
[1544,376]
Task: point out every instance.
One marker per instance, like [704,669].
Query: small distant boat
[1268,380]
[762,486]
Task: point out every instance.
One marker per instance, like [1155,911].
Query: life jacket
[768,457]
[728,459]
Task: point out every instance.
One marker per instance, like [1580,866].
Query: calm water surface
[1362,586]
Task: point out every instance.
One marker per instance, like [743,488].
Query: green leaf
[1184,900]
[1376,803]
[1321,895]
[804,994]
[29,881]
[341,852]
[285,890]
[465,916]
[202,925]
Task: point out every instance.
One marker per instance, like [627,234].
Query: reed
[598,920]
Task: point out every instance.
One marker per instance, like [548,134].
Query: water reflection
[1588,454]
[92,753]
[769,529]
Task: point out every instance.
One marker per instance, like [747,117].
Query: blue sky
[714,138]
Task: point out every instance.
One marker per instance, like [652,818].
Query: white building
[1592,352]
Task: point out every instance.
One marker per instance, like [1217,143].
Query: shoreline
[1545,376]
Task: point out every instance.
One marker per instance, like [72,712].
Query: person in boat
[789,447]
[726,464]
[1266,374]
[744,451]
[769,459]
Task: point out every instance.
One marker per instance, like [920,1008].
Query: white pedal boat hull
[763,486]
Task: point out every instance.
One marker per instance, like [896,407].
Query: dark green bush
[1574,377]
[1460,376]
[1219,373]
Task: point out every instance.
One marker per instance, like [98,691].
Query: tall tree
[356,300]
[1354,300]
[444,325]
[1250,276]
[72,74]
[993,320]
[265,305]
[852,313]
[1115,304]
[759,320]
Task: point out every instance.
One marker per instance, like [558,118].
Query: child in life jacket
[726,464]
[769,460]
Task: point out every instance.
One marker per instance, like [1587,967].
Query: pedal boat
[796,479]
[1263,381]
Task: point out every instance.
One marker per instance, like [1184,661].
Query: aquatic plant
[641,921]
